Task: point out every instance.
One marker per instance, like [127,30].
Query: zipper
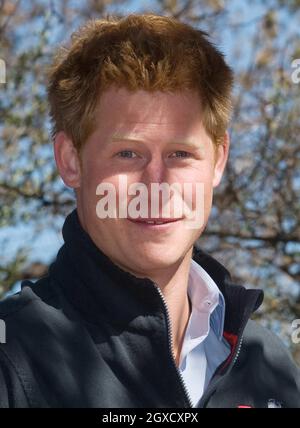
[170,343]
[238,351]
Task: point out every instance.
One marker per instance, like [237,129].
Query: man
[132,313]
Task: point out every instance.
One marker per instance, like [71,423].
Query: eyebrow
[136,140]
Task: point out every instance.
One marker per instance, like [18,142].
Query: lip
[165,222]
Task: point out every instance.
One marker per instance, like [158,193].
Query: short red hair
[147,51]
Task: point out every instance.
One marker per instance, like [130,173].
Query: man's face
[146,138]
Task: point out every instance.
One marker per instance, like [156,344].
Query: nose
[154,170]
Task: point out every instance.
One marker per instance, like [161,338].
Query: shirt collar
[204,293]
[208,303]
[208,309]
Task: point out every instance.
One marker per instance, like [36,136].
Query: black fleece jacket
[92,335]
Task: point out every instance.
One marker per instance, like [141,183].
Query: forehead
[120,111]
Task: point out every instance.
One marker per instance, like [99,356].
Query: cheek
[95,172]
[201,175]
[200,190]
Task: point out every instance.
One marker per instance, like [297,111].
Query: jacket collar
[104,293]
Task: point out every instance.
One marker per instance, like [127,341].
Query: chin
[150,260]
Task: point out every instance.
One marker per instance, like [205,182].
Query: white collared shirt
[204,347]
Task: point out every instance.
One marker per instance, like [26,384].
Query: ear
[221,157]
[67,160]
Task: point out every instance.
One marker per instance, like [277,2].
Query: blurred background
[254,227]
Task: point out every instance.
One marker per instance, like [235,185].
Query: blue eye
[181,154]
[129,154]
